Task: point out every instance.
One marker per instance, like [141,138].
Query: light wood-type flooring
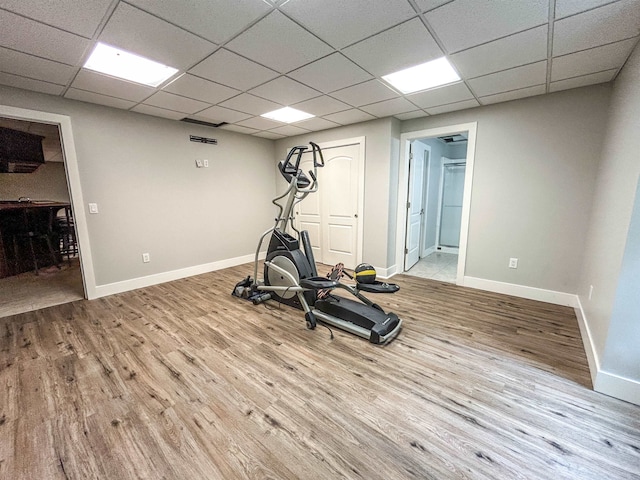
[184,381]
[27,292]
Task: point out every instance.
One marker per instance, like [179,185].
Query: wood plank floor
[184,381]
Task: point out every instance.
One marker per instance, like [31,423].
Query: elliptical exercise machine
[290,274]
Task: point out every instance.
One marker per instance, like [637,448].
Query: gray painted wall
[48,182]
[621,353]
[141,172]
[378,174]
[605,267]
[535,167]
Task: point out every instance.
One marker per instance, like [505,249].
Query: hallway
[437,266]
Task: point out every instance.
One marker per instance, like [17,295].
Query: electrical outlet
[93,208]
[205,162]
[146,258]
[513,263]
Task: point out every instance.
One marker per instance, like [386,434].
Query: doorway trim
[73,181]
[403,179]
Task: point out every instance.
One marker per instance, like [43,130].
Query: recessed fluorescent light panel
[288,115]
[421,77]
[118,63]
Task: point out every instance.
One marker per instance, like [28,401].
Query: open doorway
[39,261]
[436,168]
[63,123]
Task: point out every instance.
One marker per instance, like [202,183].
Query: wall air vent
[202,122]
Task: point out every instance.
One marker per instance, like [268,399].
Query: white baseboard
[618,387]
[141,282]
[385,273]
[522,291]
[604,382]
[587,341]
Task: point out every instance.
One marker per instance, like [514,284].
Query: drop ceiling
[239,59]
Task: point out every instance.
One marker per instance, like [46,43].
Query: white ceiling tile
[200,89]
[279,43]
[565,8]
[98,83]
[91,97]
[388,108]
[239,129]
[452,107]
[513,79]
[158,112]
[349,116]
[29,36]
[330,73]
[513,95]
[35,67]
[215,20]
[341,23]
[315,124]
[597,59]
[260,123]
[217,114]
[502,54]
[57,14]
[466,23]
[411,115]
[251,104]
[138,32]
[231,69]
[113,87]
[607,24]
[269,135]
[365,93]
[320,106]
[583,81]
[401,47]
[290,130]
[426,5]
[285,91]
[30,84]
[441,95]
[175,102]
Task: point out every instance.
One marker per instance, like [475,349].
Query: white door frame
[73,182]
[403,178]
[360,210]
[425,198]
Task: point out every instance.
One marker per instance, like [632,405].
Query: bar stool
[66,230]
[34,230]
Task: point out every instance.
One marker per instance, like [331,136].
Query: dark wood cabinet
[20,152]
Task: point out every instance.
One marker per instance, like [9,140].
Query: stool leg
[33,254]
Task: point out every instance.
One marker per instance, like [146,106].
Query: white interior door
[308,216]
[415,210]
[451,215]
[331,214]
